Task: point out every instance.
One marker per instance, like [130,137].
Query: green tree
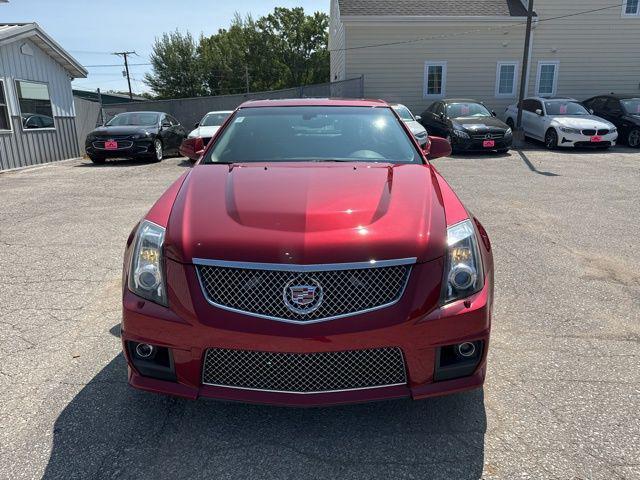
[176,67]
[283,49]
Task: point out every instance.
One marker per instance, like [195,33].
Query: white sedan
[562,122]
[209,125]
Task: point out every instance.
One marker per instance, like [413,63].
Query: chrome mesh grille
[266,293]
[304,372]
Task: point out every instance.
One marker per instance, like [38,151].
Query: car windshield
[313,133]
[214,119]
[632,105]
[133,119]
[404,113]
[565,108]
[463,109]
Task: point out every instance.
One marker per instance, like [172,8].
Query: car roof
[546,99]
[145,111]
[218,111]
[616,96]
[315,102]
[458,100]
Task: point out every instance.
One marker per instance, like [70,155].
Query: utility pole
[246,76]
[525,65]
[126,67]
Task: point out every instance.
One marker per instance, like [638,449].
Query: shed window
[4,110]
[435,79]
[631,8]
[547,78]
[35,105]
[506,79]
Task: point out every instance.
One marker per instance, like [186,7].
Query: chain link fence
[188,111]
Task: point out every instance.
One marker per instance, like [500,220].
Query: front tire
[633,139]
[551,139]
[510,124]
[502,151]
[158,151]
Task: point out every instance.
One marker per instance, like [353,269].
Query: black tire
[97,160]
[551,139]
[511,124]
[158,151]
[502,151]
[633,138]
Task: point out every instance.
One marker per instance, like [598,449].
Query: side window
[5,124]
[597,104]
[173,120]
[529,106]
[439,109]
[537,105]
[612,106]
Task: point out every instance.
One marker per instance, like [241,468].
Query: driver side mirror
[539,112]
[493,113]
[437,147]
[418,118]
[166,125]
[591,111]
[196,125]
[441,115]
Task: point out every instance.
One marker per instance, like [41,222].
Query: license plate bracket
[110,145]
[489,143]
[596,139]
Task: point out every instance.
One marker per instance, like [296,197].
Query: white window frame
[30,130]
[515,79]
[624,10]
[3,88]
[556,64]
[425,82]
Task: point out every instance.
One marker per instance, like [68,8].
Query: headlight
[613,130]
[146,277]
[461,134]
[463,270]
[575,131]
[138,136]
[508,132]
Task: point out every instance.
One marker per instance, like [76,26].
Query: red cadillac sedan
[312,256]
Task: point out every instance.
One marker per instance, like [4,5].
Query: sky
[91,30]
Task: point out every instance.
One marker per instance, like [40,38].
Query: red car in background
[313,256]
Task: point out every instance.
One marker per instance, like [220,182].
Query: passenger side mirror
[539,112]
[441,115]
[591,111]
[166,124]
[493,113]
[196,125]
[418,118]
[437,147]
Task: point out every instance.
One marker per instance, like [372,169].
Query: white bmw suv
[562,122]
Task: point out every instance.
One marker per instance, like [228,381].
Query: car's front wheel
[633,139]
[158,151]
[510,123]
[502,151]
[551,139]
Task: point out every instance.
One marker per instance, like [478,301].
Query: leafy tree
[283,49]
[177,70]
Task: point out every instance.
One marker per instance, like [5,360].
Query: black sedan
[149,135]
[468,125]
[623,111]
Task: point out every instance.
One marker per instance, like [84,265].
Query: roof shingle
[437,8]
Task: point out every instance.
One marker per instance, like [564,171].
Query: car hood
[581,121]
[479,123]
[204,132]
[303,213]
[124,130]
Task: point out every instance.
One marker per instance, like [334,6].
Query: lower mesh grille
[304,372]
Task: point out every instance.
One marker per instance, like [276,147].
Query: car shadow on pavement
[110,430]
[116,162]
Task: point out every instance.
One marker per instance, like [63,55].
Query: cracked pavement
[563,388]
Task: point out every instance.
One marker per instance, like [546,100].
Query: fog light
[144,350]
[466,349]
[148,277]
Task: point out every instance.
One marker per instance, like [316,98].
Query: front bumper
[568,140]
[129,148]
[419,334]
[476,145]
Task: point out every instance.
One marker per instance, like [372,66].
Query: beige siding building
[418,51]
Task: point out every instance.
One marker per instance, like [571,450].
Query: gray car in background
[412,122]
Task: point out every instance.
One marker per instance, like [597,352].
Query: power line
[115,65]
[477,30]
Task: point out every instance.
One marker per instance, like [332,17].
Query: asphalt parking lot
[563,390]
